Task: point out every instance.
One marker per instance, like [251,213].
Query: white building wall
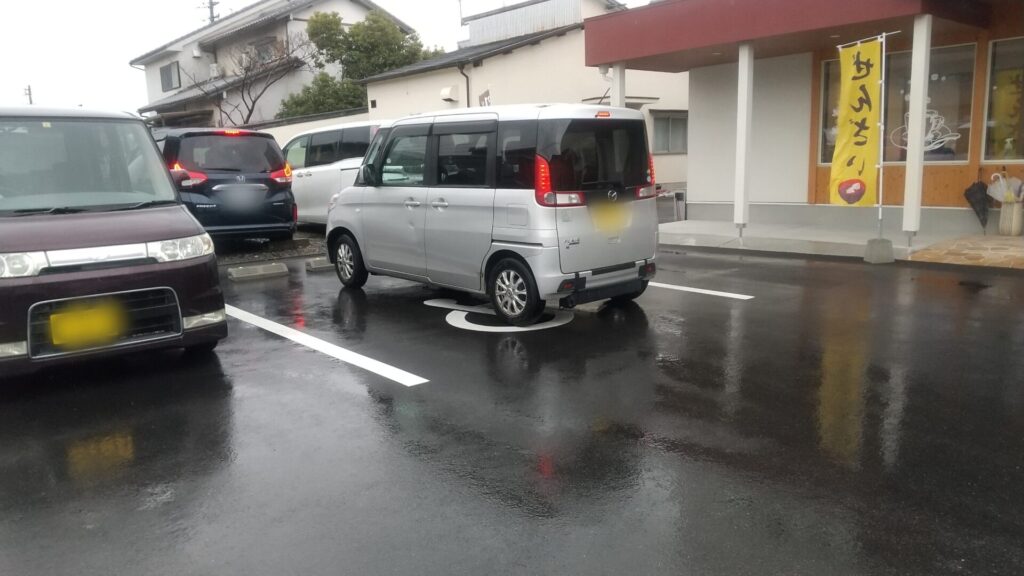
[780,132]
[552,71]
[349,11]
[283,134]
[199,68]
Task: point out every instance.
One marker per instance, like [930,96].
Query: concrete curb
[257,272]
[322,264]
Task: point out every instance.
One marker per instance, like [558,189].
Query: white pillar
[919,64]
[744,112]
[619,85]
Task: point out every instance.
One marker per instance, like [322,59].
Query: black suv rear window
[589,154]
[232,153]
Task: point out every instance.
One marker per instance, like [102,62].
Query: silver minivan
[525,204]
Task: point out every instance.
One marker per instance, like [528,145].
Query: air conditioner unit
[197,53]
[450,94]
[215,71]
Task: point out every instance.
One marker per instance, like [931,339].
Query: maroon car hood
[88,229]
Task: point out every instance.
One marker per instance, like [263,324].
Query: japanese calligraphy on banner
[854,180]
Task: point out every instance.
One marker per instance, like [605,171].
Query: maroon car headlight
[22,264]
[180,248]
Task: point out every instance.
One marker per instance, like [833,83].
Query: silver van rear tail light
[545,194]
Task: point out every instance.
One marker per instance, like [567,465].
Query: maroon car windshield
[231,153]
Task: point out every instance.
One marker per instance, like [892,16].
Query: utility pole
[28,92]
[211,4]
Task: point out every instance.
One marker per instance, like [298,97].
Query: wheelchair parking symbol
[459,317]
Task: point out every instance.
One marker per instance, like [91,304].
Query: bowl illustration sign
[851,191]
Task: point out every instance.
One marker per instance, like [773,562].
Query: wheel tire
[202,348]
[348,262]
[632,295]
[514,293]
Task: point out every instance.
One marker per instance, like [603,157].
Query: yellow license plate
[82,327]
[609,217]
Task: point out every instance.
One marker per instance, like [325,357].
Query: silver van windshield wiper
[54,210]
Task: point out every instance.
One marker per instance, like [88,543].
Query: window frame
[988,101]
[670,115]
[466,128]
[337,147]
[490,158]
[528,127]
[429,158]
[974,81]
[294,142]
[176,77]
[343,140]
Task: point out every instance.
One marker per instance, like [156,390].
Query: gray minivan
[525,204]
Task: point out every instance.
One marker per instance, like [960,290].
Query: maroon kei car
[97,254]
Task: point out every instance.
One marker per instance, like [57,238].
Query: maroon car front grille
[151,315]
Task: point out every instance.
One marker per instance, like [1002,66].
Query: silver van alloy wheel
[345,260]
[511,291]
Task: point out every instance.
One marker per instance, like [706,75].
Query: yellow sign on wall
[855,162]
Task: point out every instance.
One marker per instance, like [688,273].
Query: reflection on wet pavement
[849,420]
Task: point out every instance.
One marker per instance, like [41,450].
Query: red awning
[677,35]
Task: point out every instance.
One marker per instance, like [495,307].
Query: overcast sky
[76,52]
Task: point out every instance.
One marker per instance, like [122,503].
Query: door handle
[410,203]
[439,203]
[299,174]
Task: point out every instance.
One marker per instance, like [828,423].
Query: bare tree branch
[254,69]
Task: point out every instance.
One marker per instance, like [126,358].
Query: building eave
[678,35]
[494,49]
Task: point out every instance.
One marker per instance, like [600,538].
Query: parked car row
[106,243]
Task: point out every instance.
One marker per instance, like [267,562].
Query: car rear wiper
[146,204]
[222,169]
[54,210]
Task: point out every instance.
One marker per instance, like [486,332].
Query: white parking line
[381,369]
[702,291]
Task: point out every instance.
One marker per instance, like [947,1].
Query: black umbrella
[977,196]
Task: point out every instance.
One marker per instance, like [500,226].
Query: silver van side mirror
[367,175]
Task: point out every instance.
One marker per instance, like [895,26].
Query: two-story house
[533,51]
[238,69]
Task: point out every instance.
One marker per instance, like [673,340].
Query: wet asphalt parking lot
[846,419]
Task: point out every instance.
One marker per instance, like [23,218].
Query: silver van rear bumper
[591,285]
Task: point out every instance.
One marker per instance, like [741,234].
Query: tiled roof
[273,11]
[190,93]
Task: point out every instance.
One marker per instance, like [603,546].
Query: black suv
[238,184]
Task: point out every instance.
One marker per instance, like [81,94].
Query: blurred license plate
[609,217]
[242,196]
[84,327]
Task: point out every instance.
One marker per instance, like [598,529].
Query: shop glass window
[950,99]
[1004,139]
